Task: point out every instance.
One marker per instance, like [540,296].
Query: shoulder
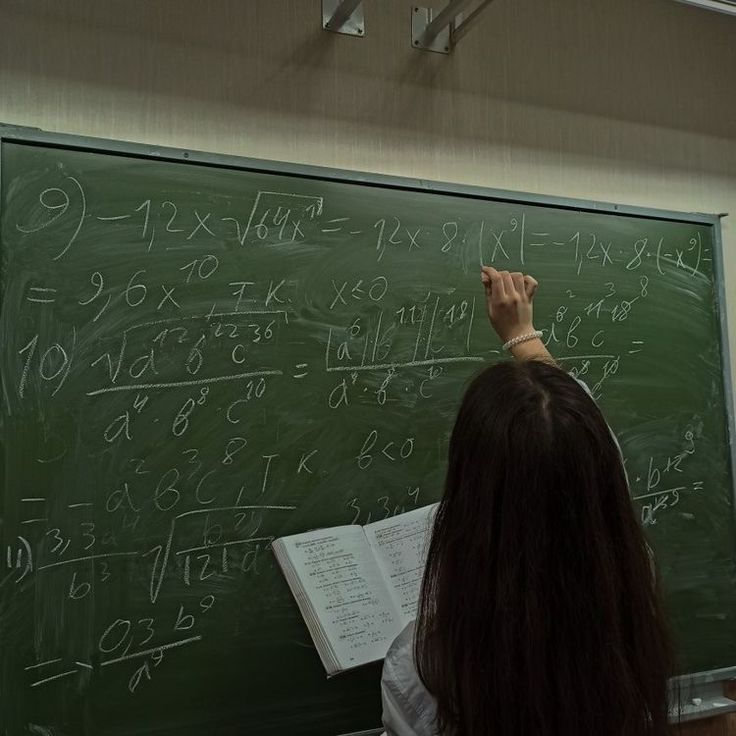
[402,646]
[405,698]
[584,386]
[399,668]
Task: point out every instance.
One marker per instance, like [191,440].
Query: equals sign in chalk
[41,295]
[301,370]
[637,350]
[334,222]
[540,235]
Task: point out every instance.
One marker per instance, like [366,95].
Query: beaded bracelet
[522,338]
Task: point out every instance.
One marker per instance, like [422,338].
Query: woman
[539,613]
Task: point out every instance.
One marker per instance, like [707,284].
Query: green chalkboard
[201,354]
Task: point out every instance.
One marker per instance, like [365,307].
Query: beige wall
[630,101]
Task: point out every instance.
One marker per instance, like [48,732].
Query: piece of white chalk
[697,701]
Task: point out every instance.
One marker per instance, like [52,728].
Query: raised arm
[509,299]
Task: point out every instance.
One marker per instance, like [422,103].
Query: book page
[400,547]
[346,590]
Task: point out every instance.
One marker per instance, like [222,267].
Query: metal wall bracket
[440,33]
[343,16]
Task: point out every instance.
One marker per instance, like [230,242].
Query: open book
[357,587]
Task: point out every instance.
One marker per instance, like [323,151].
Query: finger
[486,273]
[485,278]
[489,276]
[530,286]
[497,286]
[487,288]
[518,280]
[508,284]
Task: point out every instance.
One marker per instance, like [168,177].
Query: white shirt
[408,707]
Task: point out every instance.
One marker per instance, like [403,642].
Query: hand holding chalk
[509,301]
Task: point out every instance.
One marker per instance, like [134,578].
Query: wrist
[532,350]
[514,332]
[527,337]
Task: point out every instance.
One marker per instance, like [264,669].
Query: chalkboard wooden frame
[36,137]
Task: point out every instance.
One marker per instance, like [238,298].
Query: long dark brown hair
[539,613]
